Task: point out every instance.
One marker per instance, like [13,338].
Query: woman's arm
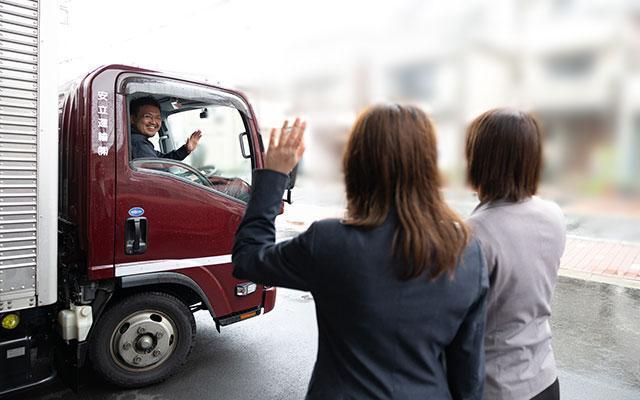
[255,255]
[465,354]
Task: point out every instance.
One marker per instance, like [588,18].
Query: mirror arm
[288,198]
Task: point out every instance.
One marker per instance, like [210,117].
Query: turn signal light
[248,315]
[10,321]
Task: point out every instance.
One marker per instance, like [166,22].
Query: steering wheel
[209,170]
[172,167]
[200,177]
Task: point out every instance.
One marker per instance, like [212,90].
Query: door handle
[135,236]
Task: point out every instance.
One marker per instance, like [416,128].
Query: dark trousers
[550,393]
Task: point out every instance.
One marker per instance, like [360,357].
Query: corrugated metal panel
[18,151]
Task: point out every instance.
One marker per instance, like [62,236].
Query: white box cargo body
[28,154]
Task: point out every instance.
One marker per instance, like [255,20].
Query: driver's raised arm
[193,140]
[184,150]
[177,154]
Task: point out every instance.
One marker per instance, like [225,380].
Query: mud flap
[70,357]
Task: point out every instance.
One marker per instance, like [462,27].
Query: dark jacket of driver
[141,147]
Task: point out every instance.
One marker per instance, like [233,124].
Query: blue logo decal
[136,211]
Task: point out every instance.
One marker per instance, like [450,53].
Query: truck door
[181,215]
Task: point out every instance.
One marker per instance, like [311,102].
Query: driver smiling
[145,123]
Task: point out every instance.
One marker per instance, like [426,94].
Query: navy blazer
[379,337]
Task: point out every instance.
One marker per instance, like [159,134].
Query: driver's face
[148,120]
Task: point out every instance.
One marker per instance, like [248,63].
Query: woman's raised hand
[285,149]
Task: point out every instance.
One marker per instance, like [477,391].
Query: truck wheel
[143,339]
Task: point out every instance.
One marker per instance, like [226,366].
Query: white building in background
[573,63]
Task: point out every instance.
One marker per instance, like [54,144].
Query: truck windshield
[222,157]
[221,160]
[219,152]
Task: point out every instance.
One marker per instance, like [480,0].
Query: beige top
[522,243]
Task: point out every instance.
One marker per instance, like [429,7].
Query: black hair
[135,104]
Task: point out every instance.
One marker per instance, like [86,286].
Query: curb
[591,277]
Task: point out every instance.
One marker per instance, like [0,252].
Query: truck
[104,257]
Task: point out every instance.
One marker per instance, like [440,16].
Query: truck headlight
[245,289]
[10,321]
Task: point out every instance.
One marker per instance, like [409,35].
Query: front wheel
[143,339]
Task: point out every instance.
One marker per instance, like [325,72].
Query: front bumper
[26,353]
[269,298]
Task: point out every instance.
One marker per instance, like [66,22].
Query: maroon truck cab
[146,241]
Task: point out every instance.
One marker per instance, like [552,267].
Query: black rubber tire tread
[99,348]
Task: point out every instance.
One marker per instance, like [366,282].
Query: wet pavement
[596,341]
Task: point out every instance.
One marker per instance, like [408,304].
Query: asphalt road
[596,341]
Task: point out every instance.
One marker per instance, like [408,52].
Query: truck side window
[218,156]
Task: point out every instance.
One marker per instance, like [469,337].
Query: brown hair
[504,155]
[391,162]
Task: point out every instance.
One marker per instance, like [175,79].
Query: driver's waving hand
[145,123]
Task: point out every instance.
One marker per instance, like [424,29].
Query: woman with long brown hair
[399,287]
[522,238]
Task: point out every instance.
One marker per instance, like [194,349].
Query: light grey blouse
[522,242]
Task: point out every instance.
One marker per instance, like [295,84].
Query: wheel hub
[145,343]
[143,340]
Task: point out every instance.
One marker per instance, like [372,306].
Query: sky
[225,40]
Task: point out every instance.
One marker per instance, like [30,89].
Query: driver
[145,122]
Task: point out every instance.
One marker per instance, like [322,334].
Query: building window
[416,81]
[569,66]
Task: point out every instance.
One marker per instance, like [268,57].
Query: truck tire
[142,339]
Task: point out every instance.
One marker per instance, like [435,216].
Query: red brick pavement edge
[593,258]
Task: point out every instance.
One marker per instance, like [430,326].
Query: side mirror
[292,182]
